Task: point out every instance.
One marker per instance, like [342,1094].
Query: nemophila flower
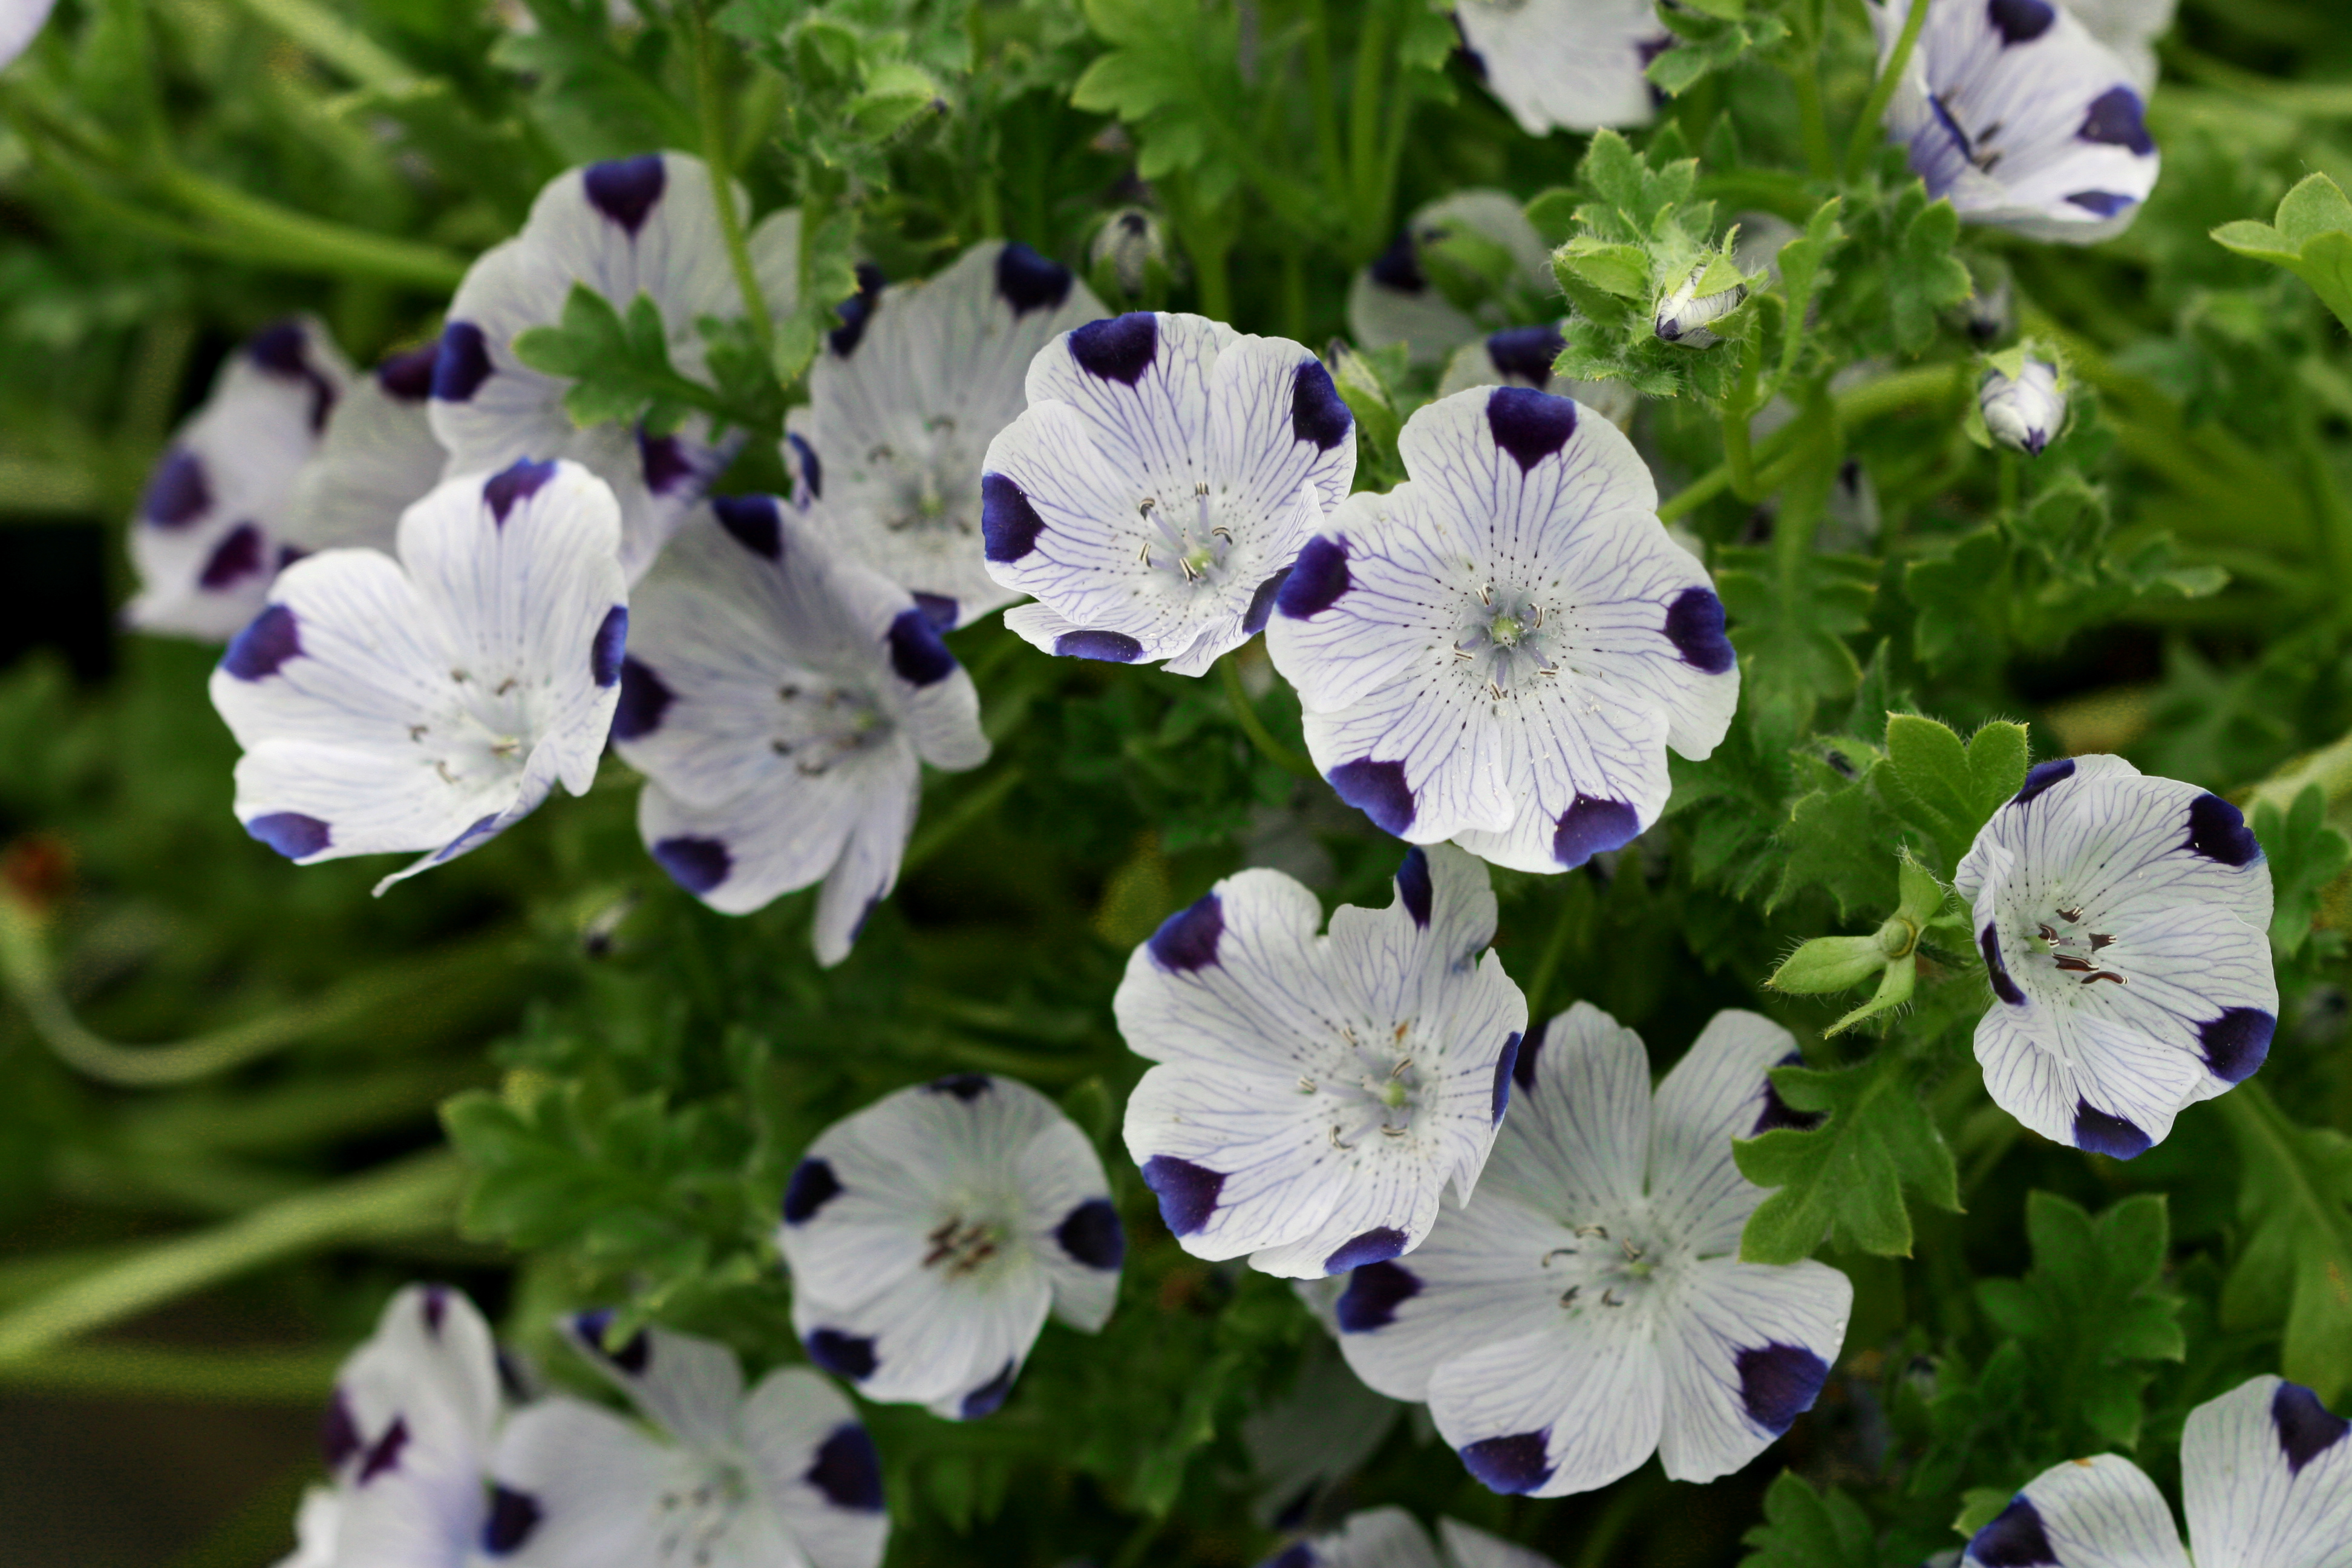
[1314,1093]
[2025,412]
[930,1233]
[1589,1307]
[1565,65]
[2012,110]
[1158,485]
[1402,298]
[1131,242]
[211,529]
[1523,356]
[889,446]
[407,1435]
[783,1475]
[780,701]
[1392,1538]
[432,701]
[377,457]
[2265,1478]
[2123,923]
[2129,28]
[1500,650]
[636,225]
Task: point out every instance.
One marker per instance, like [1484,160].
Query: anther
[1464,656]
[2099,941]
[2072,917]
[1144,507]
[1487,596]
[2105,975]
[1200,488]
[1557,1252]
[1306,1085]
[504,687]
[1567,1297]
[416,731]
[1494,691]
[1335,1143]
[1388,1131]
[2047,934]
[1609,1298]
[1221,532]
[1600,1230]
[1144,555]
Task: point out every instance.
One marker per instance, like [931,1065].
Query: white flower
[2012,110]
[901,411]
[430,703]
[1316,1093]
[2123,923]
[1523,356]
[2265,1475]
[20,22]
[1392,1538]
[378,458]
[2025,413]
[1588,1306]
[648,225]
[780,701]
[1158,486]
[1500,650]
[930,1234]
[407,1436]
[1567,65]
[785,1475]
[2129,28]
[1683,313]
[1395,301]
[211,529]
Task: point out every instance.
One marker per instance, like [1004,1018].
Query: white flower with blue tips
[930,1234]
[1392,1538]
[782,701]
[1315,1094]
[1394,299]
[2265,1475]
[2123,922]
[1158,485]
[429,703]
[1588,1308]
[1501,651]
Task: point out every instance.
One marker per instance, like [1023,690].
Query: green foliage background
[545,1073]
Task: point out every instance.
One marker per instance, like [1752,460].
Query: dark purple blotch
[813,1186]
[1119,349]
[1523,1070]
[1261,604]
[1374,1293]
[1526,353]
[753,522]
[1779,1383]
[2015,1539]
[1378,790]
[1377,1244]
[482,828]
[2105,203]
[339,1432]
[1592,826]
[461,364]
[385,1454]
[1513,1465]
[177,492]
[269,640]
[1187,1192]
[966,1086]
[518,481]
[292,834]
[625,189]
[2217,831]
[511,1519]
[1297,1554]
[1399,267]
[1413,885]
[2306,1428]
[1504,1066]
[1989,942]
[1315,579]
[643,701]
[1530,425]
[1318,412]
[848,1470]
[938,609]
[990,1396]
[1778,1112]
[2236,1044]
[2040,776]
[696,864]
[856,311]
[1009,525]
[408,377]
[437,1309]
[237,557]
[1027,281]
[605,648]
[1187,939]
[916,651]
[635,1353]
[2019,21]
[284,350]
[1091,1233]
[843,1355]
[1695,626]
[1111,647]
[2116,118]
[812,471]
[663,462]
[2113,1136]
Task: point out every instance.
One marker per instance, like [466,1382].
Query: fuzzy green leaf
[2304,854]
[2312,238]
[2294,1268]
[1946,790]
[1844,1178]
[1807,1529]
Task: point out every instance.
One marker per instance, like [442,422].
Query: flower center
[697,1514]
[482,738]
[1501,645]
[2072,948]
[1607,1268]
[823,724]
[1371,1089]
[961,1247]
[1187,542]
[927,482]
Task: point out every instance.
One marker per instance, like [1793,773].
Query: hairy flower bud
[2023,411]
[1682,315]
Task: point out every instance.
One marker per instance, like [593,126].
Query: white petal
[2100,1512]
[691,1387]
[819,1467]
[379,456]
[579,1487]
[1471,1548]
[1075,1231]
[19,25]
[2266,1478]
[1393,301]
[1718,1092]
[1749,1347]
[867,871]
[1577,1140]
[1569,1408]
[1572,65]
[1375,1538]
[317,1521]
[1228,980]
[1242,1162]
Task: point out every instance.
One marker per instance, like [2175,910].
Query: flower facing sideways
[1567,65]
[2123,922]
[378,458]
[1158,486]
[1587,1306]
[431,702]
[723,1479]
[1314,1094]
[930,1234]
[1392,1538]
[780,701]
[2265,1473]
[1501,651]
[900,413]
[1476,244]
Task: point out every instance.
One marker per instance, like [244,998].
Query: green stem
[716,148]
[157,1372]
[973,807]
[1855,405]
[1366,200]
[1867,131]
[1813,123]
[337,42]
[1328,152]
[300,239]
[1539,986]
[411,1198]
[2012,483]
[1245,715]
[1737,455]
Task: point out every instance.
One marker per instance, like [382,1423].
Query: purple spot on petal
[663,462]
[1261,604]
[1119,349]
[291,833]
[511,1519]
[408,377]
[990,1396]
[604,651]
[643,701]
[698,865]
[753,522]
[237,557]
[1318,412]
[437,1309]
[916,651]
[1187,1192]
[285,349]
[1187,939]
[1009,525]
[1414,886]
[966,1086]
[1111,648]
[267,641]
[1778,1112]
[1377,1244]
[1512,1465]
[338,1434]
[1027,281]
[856,312]
[1523,1070]
[1530,426]
[1504,1066]
[813,1186]
[2219,832]
[938,609]
[1695,626]
[518,481]
[1091,1233]
[1989,942]
[461,364]
[635,1353]
[2040,776]
[1297,1554]
[1378,790]
[385,1453]
[2237,1043]
[2019,21]
[1399,267]
[177,492]
[848,1470]
[2106,203]
[625,189]
[2015,1539]
[843,1355]
[1592,826]
[2113,1136]
[2117,120]
[2306,1429]
[812,471]
[1525,354]
[1779,1383]
[1374,1293]
[1316,580]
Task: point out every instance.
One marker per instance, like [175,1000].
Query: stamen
[1555,1252]
[2072,917]
[1494,691]
[1222,531]
[1487,596]
[416,731]
[1200,488]
[1145,506]
[1600,1230]
[1306,1085]
[2099,941]
[1388,1131]
[1336,1141]
[504,687]
[1465,656]
[2047,934]
[1567,1297]
[2068,962]
[1145,555]
[2105,975]
[1609,1298]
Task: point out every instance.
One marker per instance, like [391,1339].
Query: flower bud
[1828,964]
[2024,412]
[1682,315]
[1128,243]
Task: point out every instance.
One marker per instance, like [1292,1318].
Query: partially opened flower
[786,1474]
[930,1234]
[1158,486]
[1477,244]
[212,529]
[1315,1094]
[780,701]
[1392,1538]
[1523,356]
[1588,1308]
[2012,110]
[2124,921]
[2025,411]
[1565,65]
[636,225]
[429,703]
[2266,1476]
[377,458]
[1501,651]
[890,442]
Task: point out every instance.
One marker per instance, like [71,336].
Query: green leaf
[1807,1529]
[2312,238]
[2304,854]
[1620,270]
[1923,275]
[1791,616]
[1841,839]
[618,364]
[1946,790]
[2295,1269]
[1845,1178]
